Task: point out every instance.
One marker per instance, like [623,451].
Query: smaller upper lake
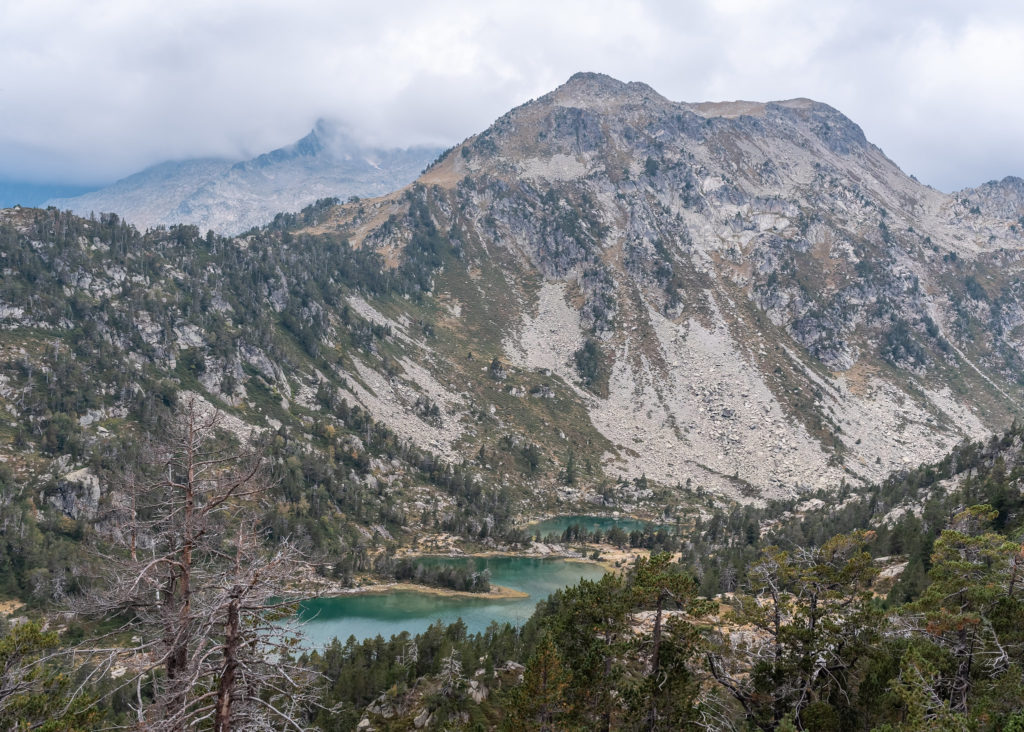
[389,613]
[590,524]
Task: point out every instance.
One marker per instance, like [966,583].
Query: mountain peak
[333,136]
[588,88]
[604,122]
[592,80]
[232,196]
[328,137]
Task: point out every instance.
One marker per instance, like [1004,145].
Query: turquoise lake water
[387,614]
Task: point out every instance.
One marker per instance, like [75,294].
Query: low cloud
[93,91]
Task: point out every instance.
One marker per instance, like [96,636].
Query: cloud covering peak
[93,91]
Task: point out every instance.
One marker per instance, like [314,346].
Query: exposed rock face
[777,303]
[78,494]
[999,198]
[744,297]
[232,196]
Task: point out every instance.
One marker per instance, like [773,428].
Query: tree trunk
[606,716]
[180,587]
[652,714]
[226,686]
[656,655]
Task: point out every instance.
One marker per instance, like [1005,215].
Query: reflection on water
[386,614]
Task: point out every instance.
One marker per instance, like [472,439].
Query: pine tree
[814,617]
[570,468]
[665,696]
[539,703]
[34,694]
[972,608]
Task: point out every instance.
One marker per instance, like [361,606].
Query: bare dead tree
[199,588]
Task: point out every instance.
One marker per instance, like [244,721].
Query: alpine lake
[390,612]
[368,615]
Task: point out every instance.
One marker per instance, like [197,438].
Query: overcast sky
[92,91]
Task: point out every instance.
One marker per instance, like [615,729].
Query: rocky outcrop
[1002,199]
[77,494]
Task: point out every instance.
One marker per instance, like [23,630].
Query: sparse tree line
[655,538]
[89,355]
[189,593]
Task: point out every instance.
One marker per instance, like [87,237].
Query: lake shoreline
[384,608]
[497,592]
[570,555]
[320,587]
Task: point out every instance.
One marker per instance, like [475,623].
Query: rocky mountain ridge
[774,303]
[232,196]
[606,298]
